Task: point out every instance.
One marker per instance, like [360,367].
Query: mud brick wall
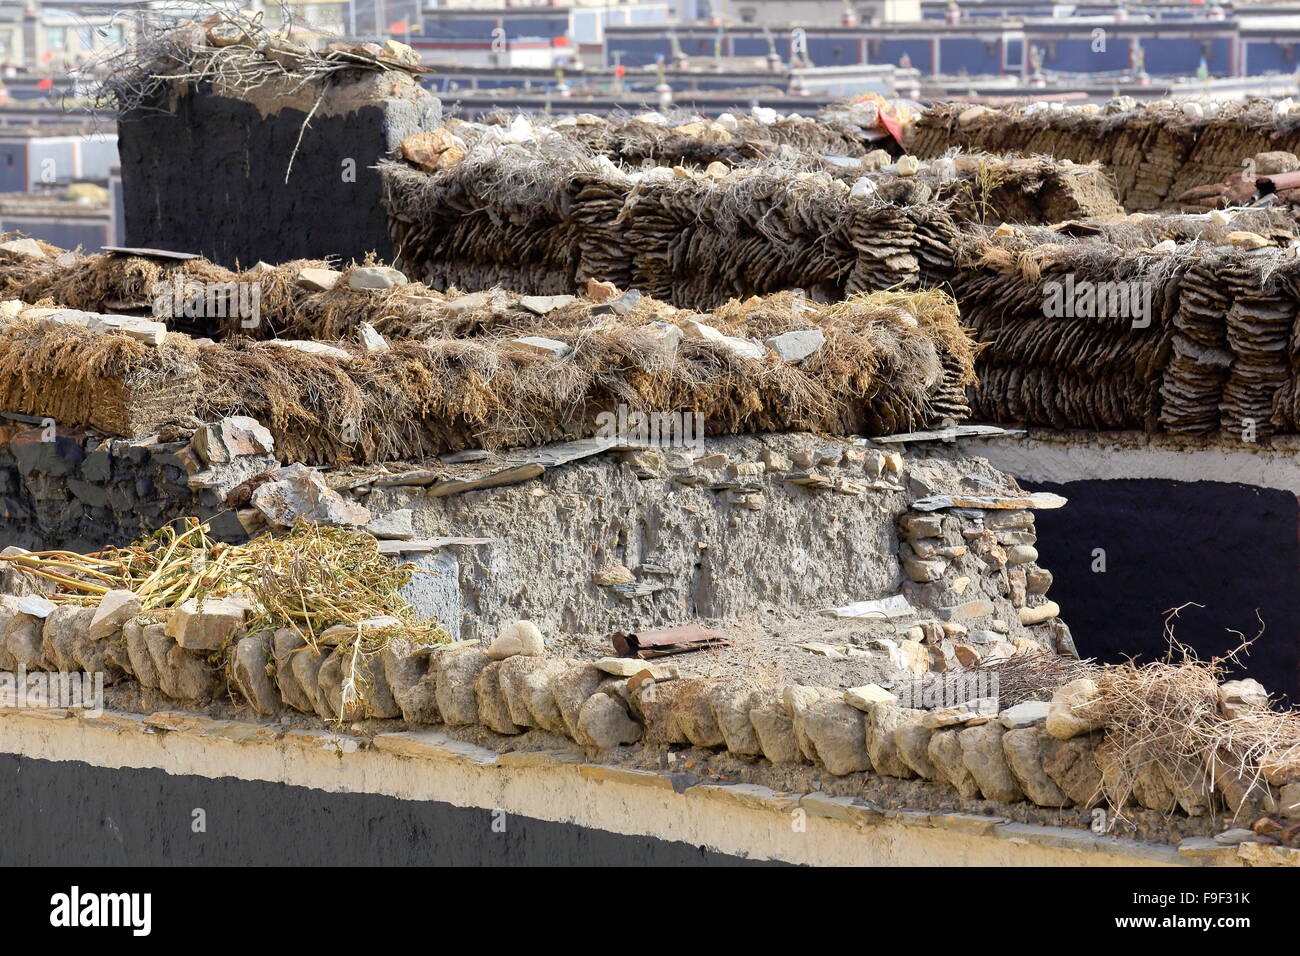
[205,173]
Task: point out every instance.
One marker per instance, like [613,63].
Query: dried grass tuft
[1164,722]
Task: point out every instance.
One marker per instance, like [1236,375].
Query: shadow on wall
[1231,548]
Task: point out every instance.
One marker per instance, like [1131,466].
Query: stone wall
[613,540]
[1049,754]
[650,538]
[71,489]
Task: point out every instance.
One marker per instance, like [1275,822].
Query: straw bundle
[890,362]
[1168,742]
[309,579]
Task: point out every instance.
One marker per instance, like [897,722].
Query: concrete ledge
[1063,456]
[738,819]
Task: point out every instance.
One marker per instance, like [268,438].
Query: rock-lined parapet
[1051,754]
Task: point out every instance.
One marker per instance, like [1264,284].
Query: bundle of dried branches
[1033,676]
[1170,743]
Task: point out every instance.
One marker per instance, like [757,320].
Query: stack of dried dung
[979,186]
[1286,401]
[871,365]
[1179,324]
[686,139]
[542,218]
[1036,190]
[1155,152]
[1200,362]
[1261,325]
[1232,347]
[1048,359]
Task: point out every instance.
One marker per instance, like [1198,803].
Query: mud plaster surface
[765,577]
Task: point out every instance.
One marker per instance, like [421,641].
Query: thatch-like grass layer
[891,362]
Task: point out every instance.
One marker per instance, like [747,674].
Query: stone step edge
[434,745]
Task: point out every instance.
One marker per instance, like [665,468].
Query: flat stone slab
[797,345]
[150,253]
[312,348]
[376,277]
[629,666]
[431,744]
[1041,500]
[867,696]
[542,304]
[638,778]
[542,345]
[509,476]
[950,434]
[421,545]
[564,452]
[422,477]
[879,610]
[747,795]
[1025,714]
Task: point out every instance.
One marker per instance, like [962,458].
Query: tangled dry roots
[1034,676]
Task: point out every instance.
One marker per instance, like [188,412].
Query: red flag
[398,27]
[890,122]
[45,84]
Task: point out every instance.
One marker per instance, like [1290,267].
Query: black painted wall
[209,178]
[68,813]
[1229,547]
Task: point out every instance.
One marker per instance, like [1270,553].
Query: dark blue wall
[13,167]
[478,27]
[73,814]
[64,234]
[1230,547]
[974,49]
[1263,56]
[891,51]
